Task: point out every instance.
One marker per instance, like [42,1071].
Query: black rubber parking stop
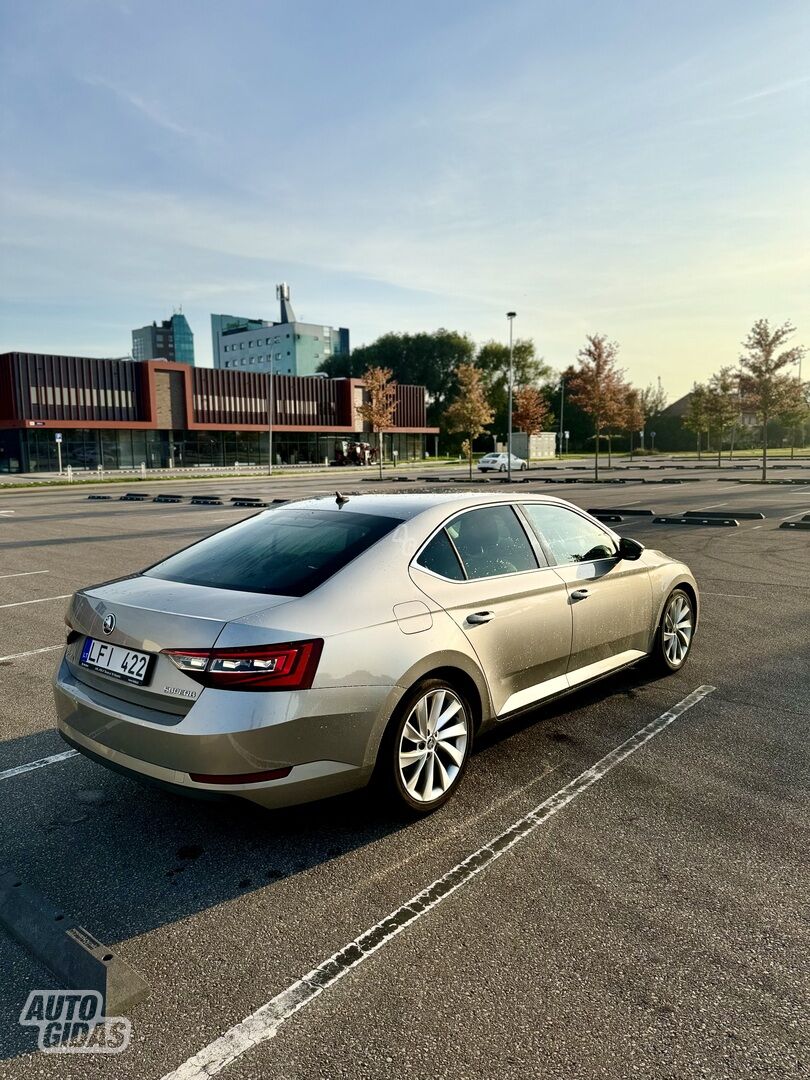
[608,517]
[99,498]
[253,503]
[134,496]
[740,515]
[168,498]
[76,959]
[630,511]
[206,500]
[694,521]
[795,524]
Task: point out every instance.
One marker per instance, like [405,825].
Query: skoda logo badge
[109,624]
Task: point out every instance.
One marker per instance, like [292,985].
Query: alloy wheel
[677,629]
[432,745]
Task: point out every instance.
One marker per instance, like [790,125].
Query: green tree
[427,359]
[470,412]
[696,417]
[722,405]
[596,385]
[795,411]
[652,401]
[633,413]
[528,369]
[766,388]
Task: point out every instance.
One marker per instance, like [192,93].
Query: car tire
[502,468]
[416,771]
[675,633]
[524,467]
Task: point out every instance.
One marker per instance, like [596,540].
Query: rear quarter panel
[667,574]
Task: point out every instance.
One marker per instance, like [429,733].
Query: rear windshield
[286,552]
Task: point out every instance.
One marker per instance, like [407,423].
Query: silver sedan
[332,643]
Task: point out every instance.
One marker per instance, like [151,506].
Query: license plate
[127,664]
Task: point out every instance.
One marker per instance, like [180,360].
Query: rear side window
[440,557]
[284,552]
[491,541]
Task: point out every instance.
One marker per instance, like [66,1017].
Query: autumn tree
[530,411]
[596,386]
[765,386]
[378,411]
[696,417]
[615,416]
[722,405]
[470,412]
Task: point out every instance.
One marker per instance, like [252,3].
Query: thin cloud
[149,109]
[770,91]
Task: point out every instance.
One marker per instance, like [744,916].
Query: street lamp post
[562,412]
[511,317]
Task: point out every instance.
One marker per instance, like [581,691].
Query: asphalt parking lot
[654,926]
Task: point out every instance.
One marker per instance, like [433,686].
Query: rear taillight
[257,667]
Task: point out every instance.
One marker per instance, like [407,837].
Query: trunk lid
[150,614]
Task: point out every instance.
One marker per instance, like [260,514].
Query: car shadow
[124,859]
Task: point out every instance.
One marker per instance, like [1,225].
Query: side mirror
[630,549]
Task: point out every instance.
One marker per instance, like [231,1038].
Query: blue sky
[637,169]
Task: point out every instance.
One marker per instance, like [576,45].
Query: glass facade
[183,340]
[116,448]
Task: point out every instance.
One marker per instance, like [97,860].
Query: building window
[241,344]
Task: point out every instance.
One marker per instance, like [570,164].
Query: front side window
[491,541]
[283,552]
[571,537]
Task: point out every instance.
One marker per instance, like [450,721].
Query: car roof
[406,505]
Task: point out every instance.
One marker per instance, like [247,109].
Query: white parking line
[42,600]
[25,573]
[31,652]
[710,506]
[805,511]
[40,763]
[266,1021]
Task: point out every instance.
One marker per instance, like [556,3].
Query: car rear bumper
[327,738]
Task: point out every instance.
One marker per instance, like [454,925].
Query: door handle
[580,594]
[480,617]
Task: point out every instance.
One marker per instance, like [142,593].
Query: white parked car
[500,463]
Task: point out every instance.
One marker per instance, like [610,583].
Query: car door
[487,571]
[610,598]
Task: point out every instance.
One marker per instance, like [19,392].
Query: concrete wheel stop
[74,957]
